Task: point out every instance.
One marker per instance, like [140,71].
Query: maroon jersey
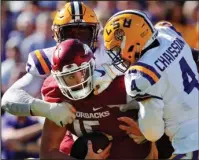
[100,113]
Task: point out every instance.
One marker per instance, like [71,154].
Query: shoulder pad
[169,25]
[163,24]
[38,63]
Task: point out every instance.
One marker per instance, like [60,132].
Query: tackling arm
[18,98]
[18,101]
[150,119]
[144,89]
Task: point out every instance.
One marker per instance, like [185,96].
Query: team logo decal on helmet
[119,33]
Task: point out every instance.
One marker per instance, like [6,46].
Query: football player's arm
[51,139]
[150,119]
[151,106]
[18,99]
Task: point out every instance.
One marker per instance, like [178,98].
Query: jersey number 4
[186,73]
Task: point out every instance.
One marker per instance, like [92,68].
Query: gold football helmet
[78,21]
[126,34]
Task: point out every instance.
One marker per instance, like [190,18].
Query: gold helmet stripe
[76,8]
[136,12]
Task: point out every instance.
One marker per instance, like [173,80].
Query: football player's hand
[60,113]
[102,155]
[132,129]
[102,78]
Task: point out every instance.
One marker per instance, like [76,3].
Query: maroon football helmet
[73,65]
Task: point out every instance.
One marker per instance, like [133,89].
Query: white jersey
[165,81]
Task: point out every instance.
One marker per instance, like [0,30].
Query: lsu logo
[119,33]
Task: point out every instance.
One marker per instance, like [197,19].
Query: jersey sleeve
[19,97]
[50,91]
[141,82]
[38,63]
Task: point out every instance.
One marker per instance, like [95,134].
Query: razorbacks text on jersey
[39,61]
[100,113]
[165,79]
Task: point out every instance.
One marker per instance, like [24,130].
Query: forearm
[151,123]
[16,102]
[18,98]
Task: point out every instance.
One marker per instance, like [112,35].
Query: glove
[60,113]
[102,78]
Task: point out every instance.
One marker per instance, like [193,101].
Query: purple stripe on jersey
[37,63]
[179,156]
[149,78]
[142,99]
[195,155]
[46,59]
[139,97]
[148,67]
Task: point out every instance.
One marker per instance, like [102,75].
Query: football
[99,142]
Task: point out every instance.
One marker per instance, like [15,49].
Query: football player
[72,82]
[74,20]
[161,75]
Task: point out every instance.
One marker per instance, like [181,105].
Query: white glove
[102,78]
[60,113]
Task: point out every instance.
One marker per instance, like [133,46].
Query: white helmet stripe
[77,10]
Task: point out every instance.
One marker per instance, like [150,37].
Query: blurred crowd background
[26,26]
